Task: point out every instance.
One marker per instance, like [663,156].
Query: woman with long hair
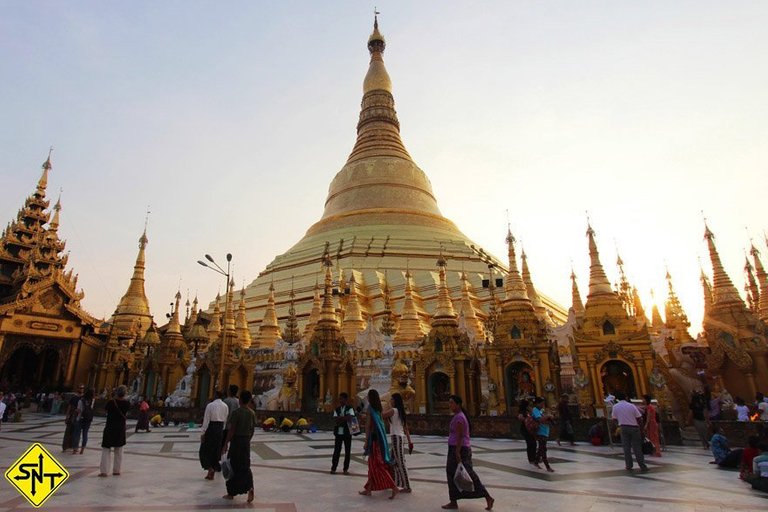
[398,429]
[460,452]
[377,449]
[523,411]
[652,425]
[114,432]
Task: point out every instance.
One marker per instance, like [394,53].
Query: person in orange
[652,425]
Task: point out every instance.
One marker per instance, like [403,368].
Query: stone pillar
[538,377]
[421,390]
[461,388]
[597,392]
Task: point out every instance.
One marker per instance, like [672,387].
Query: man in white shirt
[342,415]
[629,419]
[214,419]
[762,407]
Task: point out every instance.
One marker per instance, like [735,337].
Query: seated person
[596,434]
[302,424]
[269,424]
[724,456]
[157,420]
[286,425]
[748,456]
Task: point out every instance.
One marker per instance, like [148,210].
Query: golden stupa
[381,220]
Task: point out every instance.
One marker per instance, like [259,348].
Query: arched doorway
[311,392]
[439,390]
[25,369]
[203,386]
[518,383]
[617,377]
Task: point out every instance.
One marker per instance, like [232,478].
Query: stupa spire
[673,309]
[707,289]
[269,330]
[241,324]
[576,304]
[410,329]
[43,182]
[134,304]
[723,290]
[54,224]
[314,315]
[514,285]
[762,280]
[174,326]
[353,317]
[530,289]
[444,311]
[598,281]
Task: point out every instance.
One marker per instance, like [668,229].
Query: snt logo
[36,475]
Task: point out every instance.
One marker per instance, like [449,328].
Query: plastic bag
[462,479]
[226,469]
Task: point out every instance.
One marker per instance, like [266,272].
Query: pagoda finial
[444,304]
[43,182]
[576,304]
[723,290]
[514,285]
[56,213]
[762,280]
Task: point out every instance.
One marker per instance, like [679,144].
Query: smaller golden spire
[269,330]
[723,291]
[576,304]
[444,312]
[43,182]
[174,327]
[54,224]
[514,285]
[353,317]
[241,324]
[214,328]
[762,280]
[410,329]
[314,315]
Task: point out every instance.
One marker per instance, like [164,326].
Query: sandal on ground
[103,475]
[395,492]
[228,497]
[250,496]
[550,470]
[451,506]
[364,492]
[406,489]
[115,474]
[490,501]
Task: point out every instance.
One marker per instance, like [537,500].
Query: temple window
[516,333]
[438,345]
[608,328]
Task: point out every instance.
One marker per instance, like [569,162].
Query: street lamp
[216,268]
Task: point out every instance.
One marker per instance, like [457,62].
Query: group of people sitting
[285,424]
[752,461]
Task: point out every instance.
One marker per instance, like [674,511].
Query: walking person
[566,421]
[542,434]
[211,439]
[70,417]
[377,449]
[629,419]
[232,403]
[523,412]
[342,415]
[83,421]
[652,428]
[460,452]
[398,429]
[242,423]
[143,422]
[697,407]
[114,432]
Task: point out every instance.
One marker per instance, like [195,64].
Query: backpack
[86,416]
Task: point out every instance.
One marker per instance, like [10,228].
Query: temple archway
[438,392]
[617,376]
[311,392]
[519,383]
[20,370]
[203,386]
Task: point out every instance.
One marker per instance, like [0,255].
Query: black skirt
[240,457]
[210,448]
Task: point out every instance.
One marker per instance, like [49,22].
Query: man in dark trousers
[232,404]
[342,414]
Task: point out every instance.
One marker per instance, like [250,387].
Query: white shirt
[2,410]
[742,413]
[626,414]
[215,411]
[396,424]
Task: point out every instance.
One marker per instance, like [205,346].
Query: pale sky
[230,119]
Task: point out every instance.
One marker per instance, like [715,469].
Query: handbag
[648,447]
[462,480]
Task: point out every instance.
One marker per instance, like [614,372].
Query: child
[750,452]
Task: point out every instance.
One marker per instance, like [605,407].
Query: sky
[228,121]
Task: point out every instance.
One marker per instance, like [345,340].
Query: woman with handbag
[460,452]
[398,429]
[652,426]
[114,432]
[377,449]
[542,434]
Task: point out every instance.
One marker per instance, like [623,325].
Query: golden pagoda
[381,217]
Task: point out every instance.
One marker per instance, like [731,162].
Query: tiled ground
[161,473]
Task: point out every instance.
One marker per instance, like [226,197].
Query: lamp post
[211,264]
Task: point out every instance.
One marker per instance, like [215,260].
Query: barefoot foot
[365,492]
[228,497]
[450,506]
[489,502]
[250,496]
[395,490]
